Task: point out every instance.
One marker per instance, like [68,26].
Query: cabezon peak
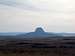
[39,29]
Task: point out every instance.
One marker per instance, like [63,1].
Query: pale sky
[26,15]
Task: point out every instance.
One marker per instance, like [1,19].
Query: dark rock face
[39,30]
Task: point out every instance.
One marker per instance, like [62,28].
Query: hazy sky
[26,15]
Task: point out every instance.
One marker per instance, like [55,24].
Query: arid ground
[38,47]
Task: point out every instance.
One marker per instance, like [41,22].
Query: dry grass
[18,48]
[43,52]
[7,54]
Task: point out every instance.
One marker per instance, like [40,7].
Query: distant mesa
[39,32]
